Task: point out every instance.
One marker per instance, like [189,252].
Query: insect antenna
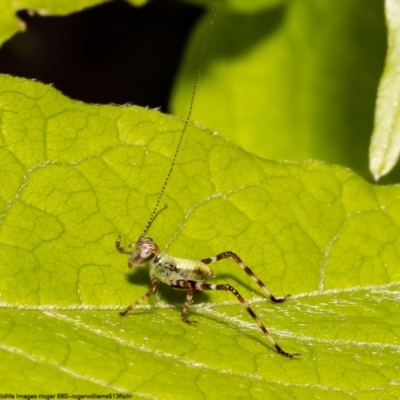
[199,65]
[156,215]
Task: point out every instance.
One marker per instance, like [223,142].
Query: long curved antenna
[199,65]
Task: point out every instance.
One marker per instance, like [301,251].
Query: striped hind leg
[249,272]
[192,286]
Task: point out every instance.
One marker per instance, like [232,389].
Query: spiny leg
[193,286]
[249,272]
[188,301]
[154,287]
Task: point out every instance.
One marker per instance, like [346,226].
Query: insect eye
[144,253]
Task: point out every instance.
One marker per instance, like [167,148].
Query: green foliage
[74,176]
[297,81]
[385,143]
[10,24]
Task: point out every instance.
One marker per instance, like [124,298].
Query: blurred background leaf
[385,142]
[294,81]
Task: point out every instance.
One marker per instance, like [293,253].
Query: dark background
[111,53]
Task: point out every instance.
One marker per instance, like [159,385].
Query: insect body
[188,275]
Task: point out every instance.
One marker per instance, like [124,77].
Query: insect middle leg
[188,301]
[193,286]
[249,272]
[154,287]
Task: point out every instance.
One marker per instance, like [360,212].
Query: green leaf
[293,82]
[10,24]
[385,143]
[75,176]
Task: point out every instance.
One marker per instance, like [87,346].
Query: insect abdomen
[167,268]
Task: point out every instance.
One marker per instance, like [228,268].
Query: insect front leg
[123,248]
[206,286]
[249,272]
[154,287]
